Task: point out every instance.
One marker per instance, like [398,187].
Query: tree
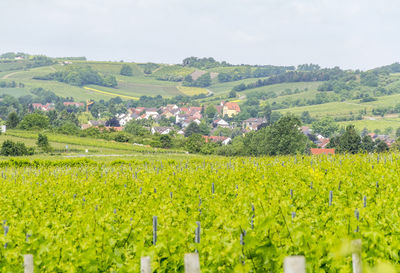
[381,146]
[110,81]
[113,122]
[43,143]
[275,116]
[68,128]
[281,138]
[204,128]
[193,128]
[326,127]
[12,120]
[211,111]
[232,94]
[267,111]
[34,121]
[350,141]
[306,118]
[166,141]
[367,144]
[121,137]
[10,148]
[388,130]
[134,128]
[194,143]
[364,132]
[126,70]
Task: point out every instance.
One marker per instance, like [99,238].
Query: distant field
[279,88]
[220,88]
[172,71]
[127,86]
[16,92]
[332,109]
[190,91]
[94,145]
[372,125]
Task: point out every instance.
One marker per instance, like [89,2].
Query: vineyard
[239,215]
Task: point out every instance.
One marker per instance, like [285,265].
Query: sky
[352,34]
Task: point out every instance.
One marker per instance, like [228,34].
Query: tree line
[80,76]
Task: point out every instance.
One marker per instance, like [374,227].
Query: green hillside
[346,96]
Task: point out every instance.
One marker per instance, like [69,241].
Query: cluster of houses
[51,106]
[385,138]
[181,117]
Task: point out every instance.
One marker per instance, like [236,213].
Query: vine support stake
[28,263]
[145,265]
[155,230]
[357,265]
[192,263]
[294,264]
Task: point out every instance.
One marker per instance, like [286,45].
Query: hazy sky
[346,33]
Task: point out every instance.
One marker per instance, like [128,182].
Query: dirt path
[9,75]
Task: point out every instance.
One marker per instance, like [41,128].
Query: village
[176,120]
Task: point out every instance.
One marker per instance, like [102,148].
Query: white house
[161,130]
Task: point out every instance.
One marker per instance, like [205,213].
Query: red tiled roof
[215,138]
[232,106]
[318,151]
[77,104]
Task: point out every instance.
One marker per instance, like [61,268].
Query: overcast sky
[346,33]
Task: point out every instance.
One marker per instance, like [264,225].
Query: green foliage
[211,111]
[174,73]
[367,144]
[203,63]
[121,137]
[68,128]
[12,120]
[43,143]
[34,121]
[202,81]
[192,128]
[349,142]
[103,210]
[135,128]
[10,148]
[194,143]
[148,68]
[126,70]
[306,117]
[370,78]
[281,138]
[294,76]
[79,76]
[325,126]
[308,67]
[166,141]
[232,94]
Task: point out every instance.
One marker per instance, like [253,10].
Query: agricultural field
[190,91]
[377,124]
[172,72]
[79,145]
[240,215]
[226,87]
[134,86]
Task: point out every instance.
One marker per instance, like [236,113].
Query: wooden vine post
[145,265]
[28,263]
[192,263]
[357,265]
[294,264]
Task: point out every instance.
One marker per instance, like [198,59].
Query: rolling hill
[344,104]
